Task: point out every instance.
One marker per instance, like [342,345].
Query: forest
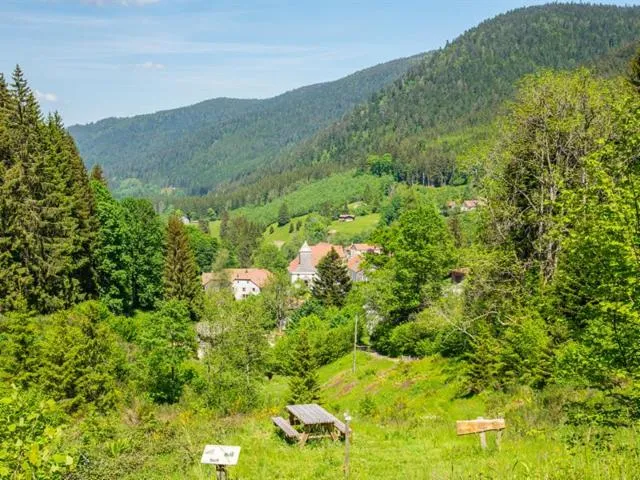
[462,86]
[116,363]
[198,147]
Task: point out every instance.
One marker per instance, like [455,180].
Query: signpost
[480,426]
[347,434]
[221,456]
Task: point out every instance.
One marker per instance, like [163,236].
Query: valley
[438,238]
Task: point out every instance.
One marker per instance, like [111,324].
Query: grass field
[404,417]
[365,223]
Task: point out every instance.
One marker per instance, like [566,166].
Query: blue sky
[92,59]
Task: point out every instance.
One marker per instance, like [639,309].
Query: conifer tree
[333,282]
[303,383]
[46,210]
[283,215]
[181,280]
[98,174]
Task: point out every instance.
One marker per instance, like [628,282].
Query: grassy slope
[337,189]
[364,223]
[411,434]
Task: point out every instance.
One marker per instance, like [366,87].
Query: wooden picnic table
[314,422]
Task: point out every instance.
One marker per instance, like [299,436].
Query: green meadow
[404,415]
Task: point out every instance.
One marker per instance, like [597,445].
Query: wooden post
[355,343]
[347,419]
[221,471]
[483,437]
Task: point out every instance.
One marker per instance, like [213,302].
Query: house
[356,270]
[303,267]
[359,249]
[243,281]
[346,217]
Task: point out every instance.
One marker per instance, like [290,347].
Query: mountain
[199,146]
[447,101]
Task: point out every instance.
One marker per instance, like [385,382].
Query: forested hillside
[427,118]
[199,146]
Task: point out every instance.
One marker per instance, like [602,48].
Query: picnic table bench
[312,420]
[288,431]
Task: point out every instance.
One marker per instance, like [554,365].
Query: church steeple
[305,256]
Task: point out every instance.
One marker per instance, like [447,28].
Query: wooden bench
[288,431]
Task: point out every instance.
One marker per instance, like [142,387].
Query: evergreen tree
[283,215]
[224,224]
[181,280]
[333,282]
[98,174]
[146,251]
[46,208]
[303,382]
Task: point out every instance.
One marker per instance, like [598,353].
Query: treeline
[65,239]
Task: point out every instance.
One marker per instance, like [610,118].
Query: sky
[91,59]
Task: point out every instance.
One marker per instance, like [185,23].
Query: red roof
[318,252]
[354,263]
[259,276]
[365,247]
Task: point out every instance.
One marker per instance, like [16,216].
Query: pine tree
[303,383]
[181,280]
[98,174]
[333,282]
[47,221]
[283,215]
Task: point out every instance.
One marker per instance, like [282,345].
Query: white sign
[220,455]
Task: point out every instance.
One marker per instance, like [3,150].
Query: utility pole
[355,343]
[347,435]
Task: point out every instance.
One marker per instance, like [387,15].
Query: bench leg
[303,439]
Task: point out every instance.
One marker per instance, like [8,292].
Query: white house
[243,281]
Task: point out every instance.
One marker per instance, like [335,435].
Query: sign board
[220,455]
[465,427]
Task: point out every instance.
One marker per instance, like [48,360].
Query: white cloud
[47,97]
[149,65]
[125,3]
